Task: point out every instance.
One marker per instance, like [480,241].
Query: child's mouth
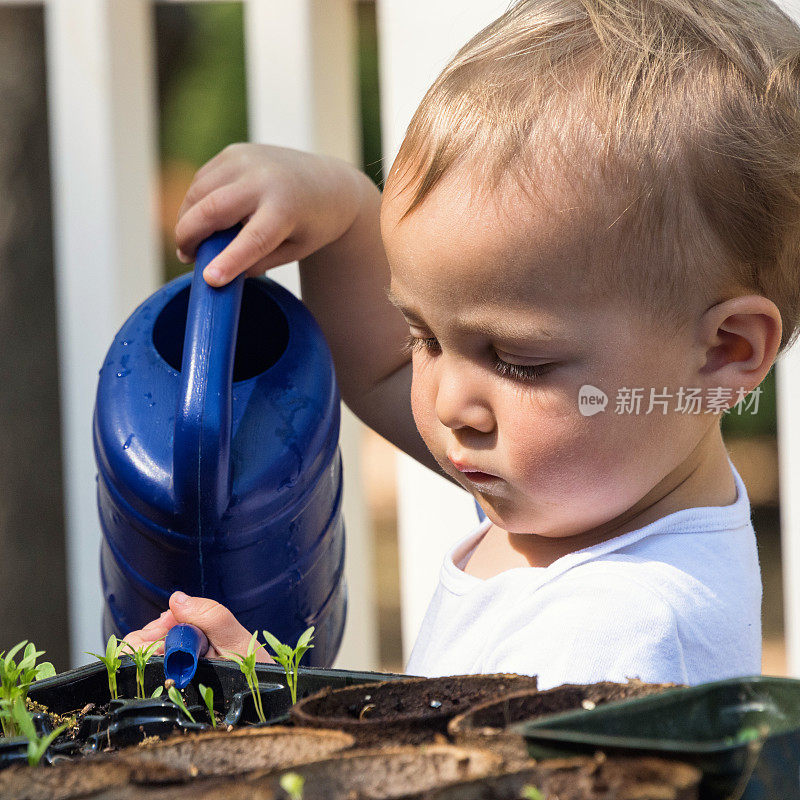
[479,477]
[474,475]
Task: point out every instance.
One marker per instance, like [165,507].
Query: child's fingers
[262,234]
[225,634]
[218,210]
[153,631]
[144,638]
[228,155]
[205,183]
[165,622]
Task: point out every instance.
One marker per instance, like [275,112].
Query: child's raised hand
[290,202]
[224,632]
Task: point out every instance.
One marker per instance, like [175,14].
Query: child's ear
[740,339]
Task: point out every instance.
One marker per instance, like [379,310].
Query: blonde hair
[678,119]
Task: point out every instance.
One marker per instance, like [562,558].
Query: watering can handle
[202,446]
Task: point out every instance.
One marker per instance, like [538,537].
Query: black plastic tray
[72,690]
[129,720]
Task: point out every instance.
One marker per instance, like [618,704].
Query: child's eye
[520,372]
[426,343]
[516,372]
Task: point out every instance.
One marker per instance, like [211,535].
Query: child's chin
[508,518]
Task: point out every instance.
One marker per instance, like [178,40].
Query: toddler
[587,249]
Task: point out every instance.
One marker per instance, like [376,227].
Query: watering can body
[219,470]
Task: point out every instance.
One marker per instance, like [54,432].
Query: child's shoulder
[624,616]
[687,570]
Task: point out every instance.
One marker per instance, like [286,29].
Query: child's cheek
[567,464]
[582,471]
[423,404]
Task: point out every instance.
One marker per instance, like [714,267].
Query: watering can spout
[202,443]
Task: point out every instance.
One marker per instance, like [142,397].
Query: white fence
[302,93]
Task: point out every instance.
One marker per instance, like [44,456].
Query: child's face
[477,283]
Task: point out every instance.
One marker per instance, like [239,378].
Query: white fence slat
[787,375]
[302,93]
[103,153]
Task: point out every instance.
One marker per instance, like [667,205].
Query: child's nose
[460,403]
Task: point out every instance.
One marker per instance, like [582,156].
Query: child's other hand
[291,203]
[224,632]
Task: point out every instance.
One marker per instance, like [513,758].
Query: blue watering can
[216,432]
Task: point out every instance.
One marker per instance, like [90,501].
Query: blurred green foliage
[202,88]
[369,93]
[203,95]
[761,423]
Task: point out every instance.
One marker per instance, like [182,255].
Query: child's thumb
[225,633]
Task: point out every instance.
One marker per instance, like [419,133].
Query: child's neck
[704,478]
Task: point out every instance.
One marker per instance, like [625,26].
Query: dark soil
[410,711]
[519,706]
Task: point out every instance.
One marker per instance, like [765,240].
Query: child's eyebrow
[394,299]
[509,332]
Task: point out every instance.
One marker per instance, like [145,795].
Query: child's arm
[324,213]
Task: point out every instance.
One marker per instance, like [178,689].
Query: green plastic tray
[707,725]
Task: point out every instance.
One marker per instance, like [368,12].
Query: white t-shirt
[678,600]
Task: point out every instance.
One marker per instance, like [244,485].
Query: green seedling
[16,678]
[531,793]
[36,745]
[158,691]
[176,698]
[247,664]
[5,716]
[112,661]
[140,656]
[207,693]
[293,784]
[290,659]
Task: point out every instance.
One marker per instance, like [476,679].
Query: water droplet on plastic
[122,373]
[127,442]
[292,550]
